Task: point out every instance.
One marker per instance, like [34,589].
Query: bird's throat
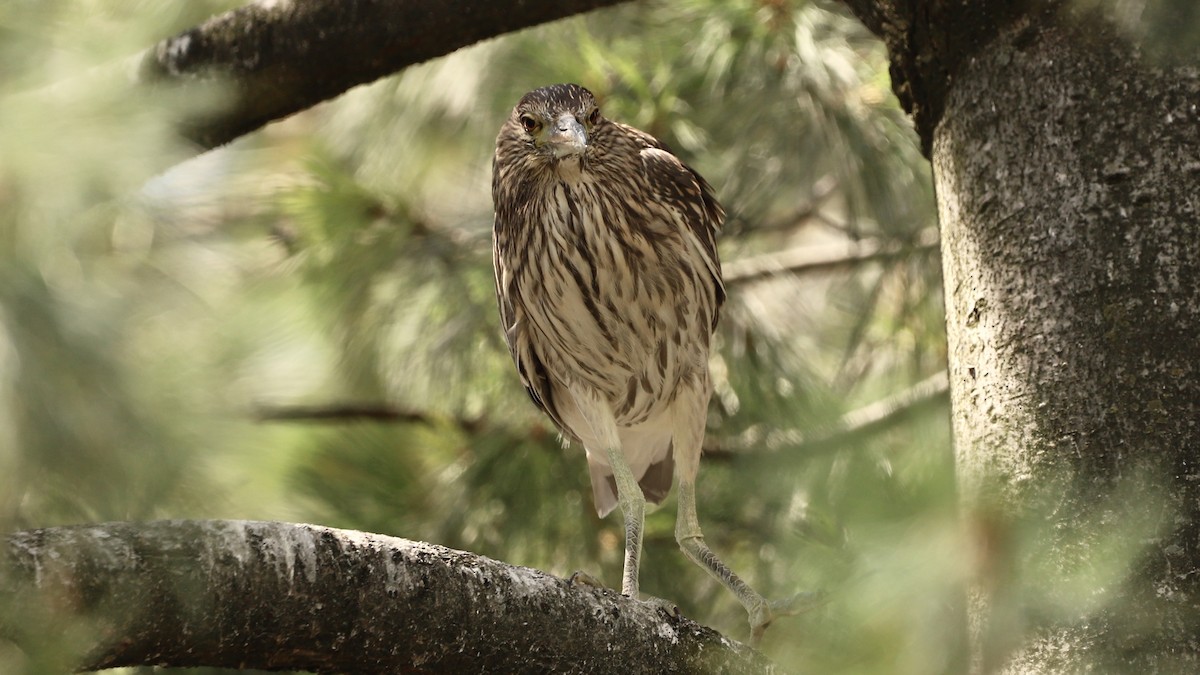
[569,168]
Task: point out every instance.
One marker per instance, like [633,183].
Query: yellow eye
[529,124]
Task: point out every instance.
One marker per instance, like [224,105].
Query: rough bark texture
[278,57]
[1067,174]
[279,596]
[928,41]
[1067,178]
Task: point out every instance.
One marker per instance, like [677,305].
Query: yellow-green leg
[633,509]
[691,540]
[762,611]
[690,412]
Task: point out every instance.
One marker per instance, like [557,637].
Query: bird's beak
[567,137]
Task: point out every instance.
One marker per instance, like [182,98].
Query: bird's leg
[597,415]
[691,540]
[762,611]
[633,509]
[690,413]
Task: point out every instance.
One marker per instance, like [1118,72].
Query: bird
[609,290]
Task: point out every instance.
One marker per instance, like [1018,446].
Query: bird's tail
[650,456]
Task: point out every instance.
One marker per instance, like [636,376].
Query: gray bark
[1067,172]
[279,596]
[1067,176]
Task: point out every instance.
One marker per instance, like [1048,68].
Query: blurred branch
[278,58]
[822,258]
[869,419]
[822,190]
[339,413]
[278,596]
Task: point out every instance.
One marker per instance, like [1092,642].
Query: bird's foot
[766,611]
[667,608]
[579,577]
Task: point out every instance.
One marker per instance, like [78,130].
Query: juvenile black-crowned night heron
[609,288]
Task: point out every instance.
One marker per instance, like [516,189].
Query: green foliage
[343,256]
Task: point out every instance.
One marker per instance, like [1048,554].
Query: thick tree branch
[282,596]
[281,56]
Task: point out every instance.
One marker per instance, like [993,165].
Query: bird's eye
[529,124]
[594,116]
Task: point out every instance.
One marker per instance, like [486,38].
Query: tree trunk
[278,596]
[1067,174]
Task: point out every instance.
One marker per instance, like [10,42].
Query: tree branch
[871,418]
[343,412]
[278,57]
[280,596]
[868,419]
[821,258]
[822,190]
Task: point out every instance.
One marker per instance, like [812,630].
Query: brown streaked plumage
[609,289]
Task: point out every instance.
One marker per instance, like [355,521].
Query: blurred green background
[156,327]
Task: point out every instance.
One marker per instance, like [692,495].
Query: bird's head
[555,122]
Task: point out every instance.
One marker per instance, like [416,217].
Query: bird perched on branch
[609,289]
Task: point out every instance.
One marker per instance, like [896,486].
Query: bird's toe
[795,604]
[763,613]
[665,607]
[579,577]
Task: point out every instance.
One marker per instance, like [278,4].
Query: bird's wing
[533,372]
[690,197]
